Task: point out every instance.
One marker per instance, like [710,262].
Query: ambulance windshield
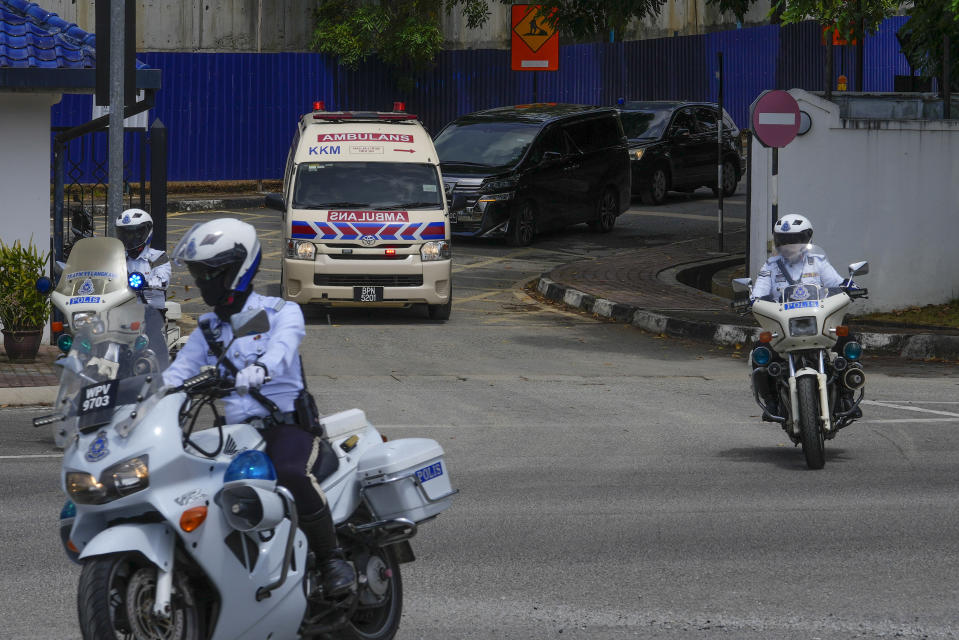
[383,186]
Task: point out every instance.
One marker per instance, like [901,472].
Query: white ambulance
[364,213]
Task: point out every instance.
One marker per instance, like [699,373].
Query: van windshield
[484,143]
[367,185]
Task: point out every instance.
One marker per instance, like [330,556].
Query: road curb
[27,396]
[922,346]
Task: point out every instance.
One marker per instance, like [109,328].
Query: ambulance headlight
[301,250]
[435,250]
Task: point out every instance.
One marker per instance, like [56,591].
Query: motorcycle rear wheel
[382,621]
[813,442]
[115,599]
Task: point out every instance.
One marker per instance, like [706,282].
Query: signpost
[534,43]
[775,120]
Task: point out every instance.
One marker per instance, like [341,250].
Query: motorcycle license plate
[368,294]
[95,404]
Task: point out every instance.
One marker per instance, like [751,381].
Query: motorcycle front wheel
[811,435]
[115,600]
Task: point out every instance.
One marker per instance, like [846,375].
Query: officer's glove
[251,377]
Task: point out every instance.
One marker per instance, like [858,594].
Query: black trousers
[301,460]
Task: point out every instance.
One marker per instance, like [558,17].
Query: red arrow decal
[406,150]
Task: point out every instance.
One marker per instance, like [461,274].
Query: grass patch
[931,315]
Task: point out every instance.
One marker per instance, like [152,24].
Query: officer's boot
[338,574]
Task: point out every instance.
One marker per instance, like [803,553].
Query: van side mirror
[275,201]
[858,268]
[552,156]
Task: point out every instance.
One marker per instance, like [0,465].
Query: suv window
[553,139]
[683,120]
[595,134]
[707,120]
[482,142]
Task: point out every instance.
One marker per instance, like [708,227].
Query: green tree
[405,34]
[922,38]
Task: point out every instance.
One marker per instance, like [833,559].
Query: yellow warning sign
[533,29]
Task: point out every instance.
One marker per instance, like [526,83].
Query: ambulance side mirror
[275,201]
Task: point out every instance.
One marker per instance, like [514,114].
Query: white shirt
[277,350]
[813,268]
[155,267]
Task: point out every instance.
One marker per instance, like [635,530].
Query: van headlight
[435,250]
[116,481]
[301,250]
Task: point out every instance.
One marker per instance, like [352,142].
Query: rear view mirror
[247,323]
[682,132]
[858,268]
[742,285]
[551,156]
[275,201]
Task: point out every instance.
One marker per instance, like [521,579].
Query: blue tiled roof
[32,37]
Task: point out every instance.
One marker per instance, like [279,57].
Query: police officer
[795,261]
[223,255]
[135,230]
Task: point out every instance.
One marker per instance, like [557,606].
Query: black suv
[673,146]
[516,171]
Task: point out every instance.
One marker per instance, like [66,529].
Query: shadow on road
[784,457]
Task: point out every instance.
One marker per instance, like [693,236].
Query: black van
[516,171]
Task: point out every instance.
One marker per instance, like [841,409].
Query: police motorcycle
[184,534]
[93,281]
[806,353]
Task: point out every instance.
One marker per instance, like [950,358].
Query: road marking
[687,216]
[491,261]
[479,296]
[27,456]
[908,408]
[908,420]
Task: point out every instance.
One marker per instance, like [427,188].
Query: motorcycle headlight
[805,326]
[301,250]
[435,250]
[116,481]
[83,319]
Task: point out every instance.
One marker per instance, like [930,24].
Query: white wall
[25,167]
[885,191]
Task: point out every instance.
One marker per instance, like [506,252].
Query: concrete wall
[287,25]
[886,191]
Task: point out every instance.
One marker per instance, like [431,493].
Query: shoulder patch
[161,259]
[763,273]
[279,304]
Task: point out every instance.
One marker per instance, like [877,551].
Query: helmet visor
[801,237]
[134,236]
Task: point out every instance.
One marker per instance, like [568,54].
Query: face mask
[213,291]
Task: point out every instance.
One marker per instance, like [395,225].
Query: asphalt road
[614,484]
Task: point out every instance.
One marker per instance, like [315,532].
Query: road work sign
[775,119]
[533,39]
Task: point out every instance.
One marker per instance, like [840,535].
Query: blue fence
[231,116]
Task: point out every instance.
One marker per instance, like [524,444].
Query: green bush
[22,307]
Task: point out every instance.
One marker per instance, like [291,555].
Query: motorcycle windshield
[97,266]
[114,361]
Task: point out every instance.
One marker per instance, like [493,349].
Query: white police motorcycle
[184,534]
[818,388]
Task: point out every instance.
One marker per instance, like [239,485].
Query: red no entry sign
[776,118]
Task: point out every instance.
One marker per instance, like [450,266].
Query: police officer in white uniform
[135,230]
[223,256]
[795,262]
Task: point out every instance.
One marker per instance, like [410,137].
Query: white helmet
[792,229]
[134,230]
[222,255]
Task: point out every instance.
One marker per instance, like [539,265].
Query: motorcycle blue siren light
[140,343]
[69,510]
[761,356]
[85,345]
[44,285]
[64,342]
[852,350]
[250,465]
[136,280]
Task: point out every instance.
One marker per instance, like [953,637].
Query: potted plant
[24,311]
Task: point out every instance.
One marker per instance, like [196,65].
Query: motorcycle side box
[406,478]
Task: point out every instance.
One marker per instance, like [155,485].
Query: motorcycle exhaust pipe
[854,378]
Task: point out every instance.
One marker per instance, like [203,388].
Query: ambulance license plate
[368,294]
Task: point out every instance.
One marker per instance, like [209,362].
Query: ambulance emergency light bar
[398,113]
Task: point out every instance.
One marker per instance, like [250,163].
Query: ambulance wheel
[441,311]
